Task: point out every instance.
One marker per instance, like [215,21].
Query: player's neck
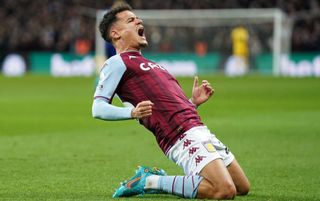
[127,49]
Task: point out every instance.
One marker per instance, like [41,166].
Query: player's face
[129,31]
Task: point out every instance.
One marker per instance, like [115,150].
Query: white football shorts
[196,148]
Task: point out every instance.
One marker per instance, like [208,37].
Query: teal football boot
[135,185]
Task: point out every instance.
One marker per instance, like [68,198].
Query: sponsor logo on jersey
[149,65]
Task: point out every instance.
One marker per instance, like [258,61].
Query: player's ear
[114,34]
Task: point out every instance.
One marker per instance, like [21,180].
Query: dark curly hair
[110,18]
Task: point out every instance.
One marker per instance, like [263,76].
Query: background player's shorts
[196,148]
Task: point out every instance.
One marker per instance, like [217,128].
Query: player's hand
[202,93]
[143,109]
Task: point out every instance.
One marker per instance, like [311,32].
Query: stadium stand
[63,25]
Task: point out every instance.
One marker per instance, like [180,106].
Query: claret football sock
[183,186]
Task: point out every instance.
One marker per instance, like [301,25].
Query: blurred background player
[238,63]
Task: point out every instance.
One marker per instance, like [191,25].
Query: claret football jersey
[134,79]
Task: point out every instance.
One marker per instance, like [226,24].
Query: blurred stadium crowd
[59,25]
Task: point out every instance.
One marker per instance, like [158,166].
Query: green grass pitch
[52,149]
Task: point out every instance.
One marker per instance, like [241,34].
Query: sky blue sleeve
[110,77]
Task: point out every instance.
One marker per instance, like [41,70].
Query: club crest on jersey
[148,66]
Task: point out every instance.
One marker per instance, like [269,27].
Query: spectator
[58,25]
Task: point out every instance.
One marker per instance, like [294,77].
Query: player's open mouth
[141,31]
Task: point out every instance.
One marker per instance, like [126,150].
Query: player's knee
[244,189]
[227,191]
[223,192]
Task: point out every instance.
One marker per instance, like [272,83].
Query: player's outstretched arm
[105,111]
[101,109]
[201,93]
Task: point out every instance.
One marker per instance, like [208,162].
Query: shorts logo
[182,136]
[209,146]
[198,159]
[186,143]
[192,150]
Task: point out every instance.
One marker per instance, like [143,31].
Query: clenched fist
[143,109]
